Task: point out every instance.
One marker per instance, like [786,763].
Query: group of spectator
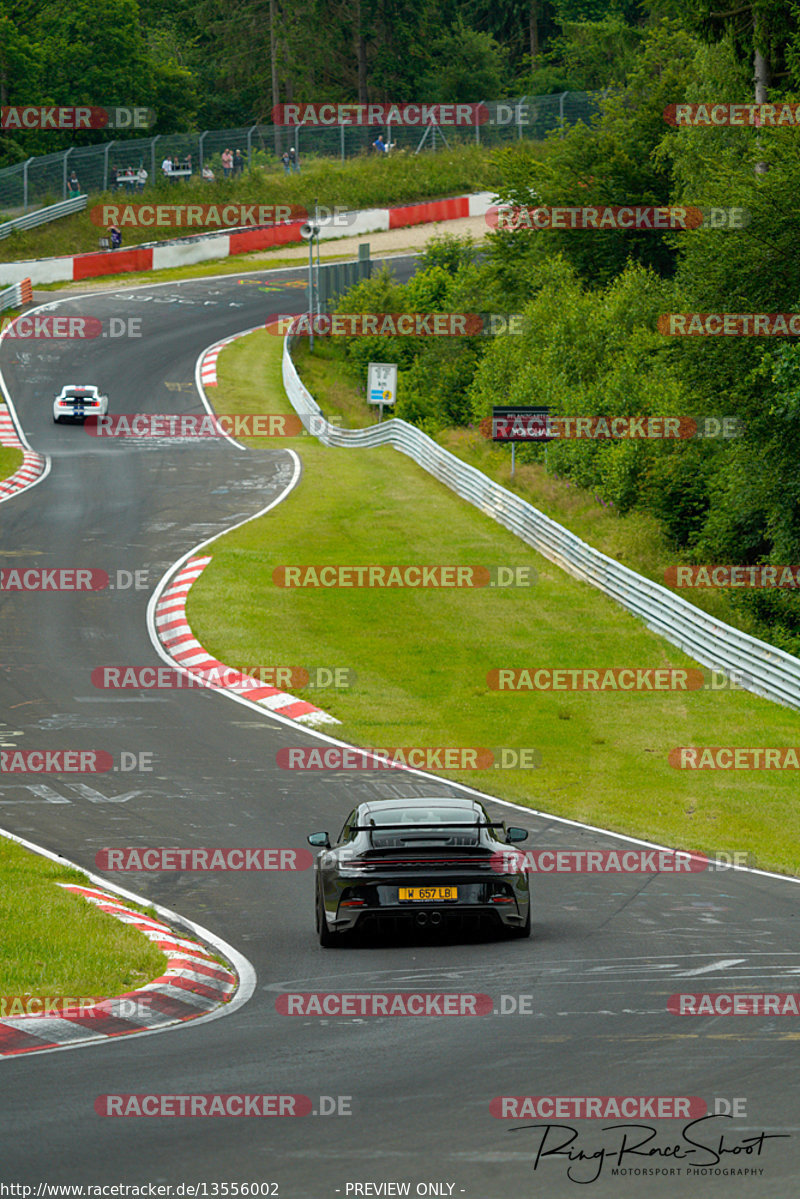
[132,179]
[232,163]
[173,167]
[289,160]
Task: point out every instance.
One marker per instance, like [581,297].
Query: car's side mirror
[322,841]
[514,834]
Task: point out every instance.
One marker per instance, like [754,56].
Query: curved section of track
[580,1009]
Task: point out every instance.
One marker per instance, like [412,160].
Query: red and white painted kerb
[180,643]
[32,464]
[208,363]
[192,985]
[185,251]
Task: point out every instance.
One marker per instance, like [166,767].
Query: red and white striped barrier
[17,295]
[185,650]
[192,985]
[32,464]
[186,251]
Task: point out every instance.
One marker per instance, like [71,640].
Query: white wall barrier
[754,664]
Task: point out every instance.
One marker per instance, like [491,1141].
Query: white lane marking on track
[712,967]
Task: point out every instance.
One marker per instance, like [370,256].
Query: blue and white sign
[382,383]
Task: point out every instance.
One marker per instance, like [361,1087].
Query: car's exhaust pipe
[421,919]
[436,919]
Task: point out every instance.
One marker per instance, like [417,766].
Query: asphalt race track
[606,952]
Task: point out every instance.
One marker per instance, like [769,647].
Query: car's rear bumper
[445,916]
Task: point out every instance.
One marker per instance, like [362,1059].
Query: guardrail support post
[66,156]
[25,184]
[105,164]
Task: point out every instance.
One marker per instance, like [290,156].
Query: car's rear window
[416,816]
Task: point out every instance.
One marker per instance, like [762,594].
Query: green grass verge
[10,461]
[357,183]
[421,657]
[634,539]
[55,944]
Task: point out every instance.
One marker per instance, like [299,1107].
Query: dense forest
[591,298]
[213,64]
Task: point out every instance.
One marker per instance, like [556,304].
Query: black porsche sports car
[428,861]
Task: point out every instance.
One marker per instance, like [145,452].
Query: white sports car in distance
[76,402]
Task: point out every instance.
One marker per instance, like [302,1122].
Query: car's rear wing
[425,828]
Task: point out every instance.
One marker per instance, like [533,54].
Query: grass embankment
[634,539]
[356,183]
[10,461]
[421,657]
[10,458]
[55,944]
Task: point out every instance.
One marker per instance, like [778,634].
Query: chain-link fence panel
[46,179]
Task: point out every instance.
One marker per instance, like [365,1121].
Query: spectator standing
[73,187]
[238,163]
[295,165]
[287,166]
[227,163]
[141,178]
[166,167]
[116,237]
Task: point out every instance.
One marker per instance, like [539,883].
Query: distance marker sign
[382,383]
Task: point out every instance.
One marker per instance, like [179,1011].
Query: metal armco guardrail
[44,215]
[16,295]
[761,668]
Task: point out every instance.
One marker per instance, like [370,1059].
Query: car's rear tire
[57,420]
[326,938]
